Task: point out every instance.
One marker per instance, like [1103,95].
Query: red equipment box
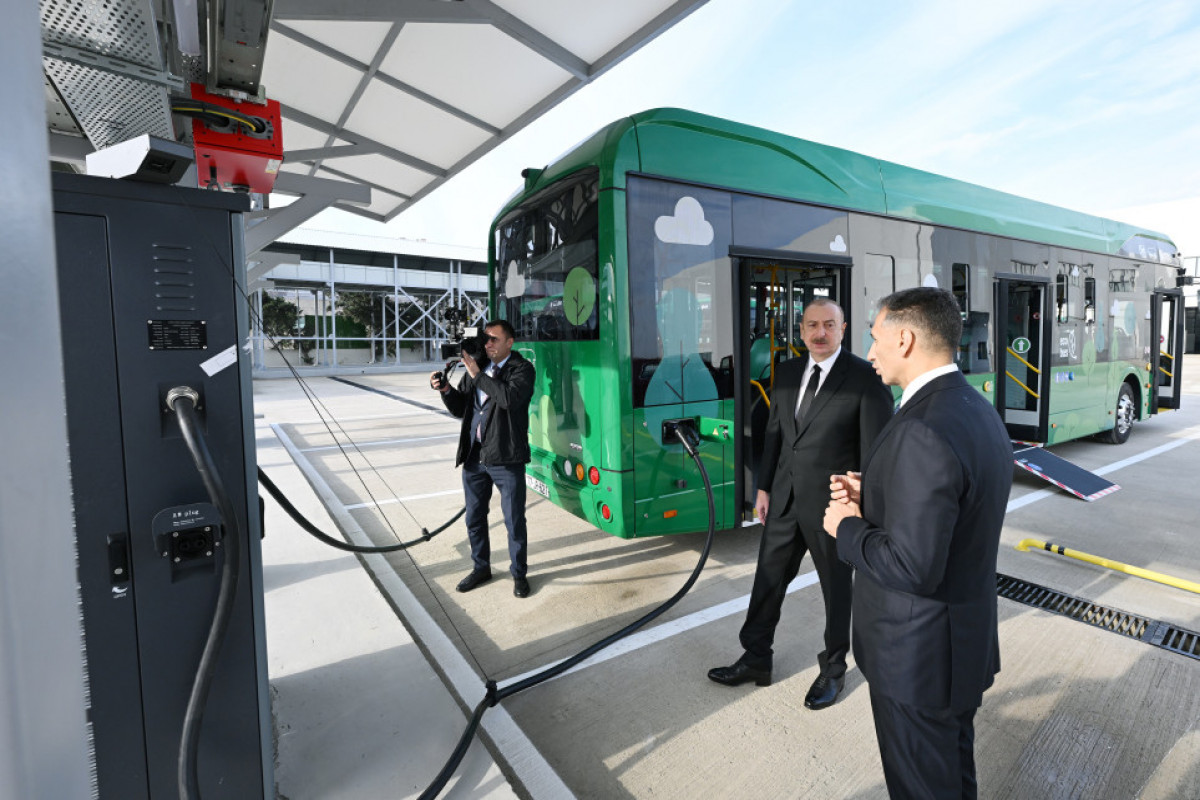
[237,158]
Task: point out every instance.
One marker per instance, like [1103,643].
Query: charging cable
[183,400]
[320,535]
[687,435]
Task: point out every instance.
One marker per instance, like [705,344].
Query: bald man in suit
[921,527]
[826,410]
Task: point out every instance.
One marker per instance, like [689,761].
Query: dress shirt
[825,365]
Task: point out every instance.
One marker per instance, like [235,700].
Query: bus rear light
[606,512]
[670,514]
[594,476]
[579,472]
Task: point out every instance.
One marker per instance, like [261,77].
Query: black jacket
[506,433]
[934,491]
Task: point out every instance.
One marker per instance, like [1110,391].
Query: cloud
[838,245]
[688,226]
[514,284]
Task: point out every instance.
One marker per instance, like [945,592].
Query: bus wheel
[1125,415]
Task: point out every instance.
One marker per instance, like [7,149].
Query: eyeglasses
[493,338]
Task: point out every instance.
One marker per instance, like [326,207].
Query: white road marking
[374,443]
[536,773]
[402,499]
[649,636]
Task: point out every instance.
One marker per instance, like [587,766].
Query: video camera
[471,342]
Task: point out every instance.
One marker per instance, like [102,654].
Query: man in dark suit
[826,410]
[493,448]
[921,527]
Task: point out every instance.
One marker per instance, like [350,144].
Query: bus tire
[1123,417]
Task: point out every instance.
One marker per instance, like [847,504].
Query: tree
[280,318]
[366,309]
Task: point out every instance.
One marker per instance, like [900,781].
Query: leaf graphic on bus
[579,296]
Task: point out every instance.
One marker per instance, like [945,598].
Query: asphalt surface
[376,662]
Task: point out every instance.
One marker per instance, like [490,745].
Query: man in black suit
[921,527]
[826,410]
[492,400]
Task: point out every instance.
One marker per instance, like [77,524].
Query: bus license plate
[537,486]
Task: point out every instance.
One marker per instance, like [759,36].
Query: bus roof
[684,145]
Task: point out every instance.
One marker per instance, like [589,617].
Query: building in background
[348,303]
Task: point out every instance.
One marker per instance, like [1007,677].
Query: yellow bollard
[1157,577]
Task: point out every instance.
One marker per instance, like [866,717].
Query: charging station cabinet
[152,297]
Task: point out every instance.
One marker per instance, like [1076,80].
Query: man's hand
[837,511]
[761,503]
[846,488]
[438,381]
[469,363]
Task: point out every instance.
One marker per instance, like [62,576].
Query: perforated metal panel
[109,106]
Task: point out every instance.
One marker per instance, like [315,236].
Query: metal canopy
[400,95]
[392,97]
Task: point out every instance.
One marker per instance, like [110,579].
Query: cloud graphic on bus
[688,226]
[838,245]
[514,284]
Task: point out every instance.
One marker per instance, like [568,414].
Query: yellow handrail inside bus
[1023,361]
[1157,577]
[795,352]
[759,386]
[1161,369]
[1023,386]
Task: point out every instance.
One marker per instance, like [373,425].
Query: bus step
[1062,473]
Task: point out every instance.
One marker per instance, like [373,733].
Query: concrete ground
[375,661]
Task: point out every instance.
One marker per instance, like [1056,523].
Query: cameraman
[493,447]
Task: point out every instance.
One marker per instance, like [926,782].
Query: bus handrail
[795,351]
[1023,386]
[1165,353]
[761,389]
[1026,363]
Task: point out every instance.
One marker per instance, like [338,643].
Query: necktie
[810,391]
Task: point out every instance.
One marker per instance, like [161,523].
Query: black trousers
[927,754]
[784,542]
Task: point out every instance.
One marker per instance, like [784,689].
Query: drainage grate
[1151,631]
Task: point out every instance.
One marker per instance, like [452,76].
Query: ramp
[1062,473]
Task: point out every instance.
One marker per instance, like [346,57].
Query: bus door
[772,291]
[1166,320]
[1024,325]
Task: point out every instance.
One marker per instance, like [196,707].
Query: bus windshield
[546,264]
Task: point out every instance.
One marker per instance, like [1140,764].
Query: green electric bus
[660,269]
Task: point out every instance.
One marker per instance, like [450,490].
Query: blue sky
[1089,104]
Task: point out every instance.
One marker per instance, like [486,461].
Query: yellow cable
[1157,577]
[241,118]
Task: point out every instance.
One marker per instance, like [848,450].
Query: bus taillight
[594,476]
[579,472]
[606,512]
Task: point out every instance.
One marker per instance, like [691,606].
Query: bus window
[680,285]
[961,286]
[1089,300]
[546,273]
[1060,296]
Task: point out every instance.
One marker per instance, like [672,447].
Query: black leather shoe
[520,587]
[740,673]
[824,692]
[476,578]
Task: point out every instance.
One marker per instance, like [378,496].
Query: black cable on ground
[494,694]
[304,523]
[182,400]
